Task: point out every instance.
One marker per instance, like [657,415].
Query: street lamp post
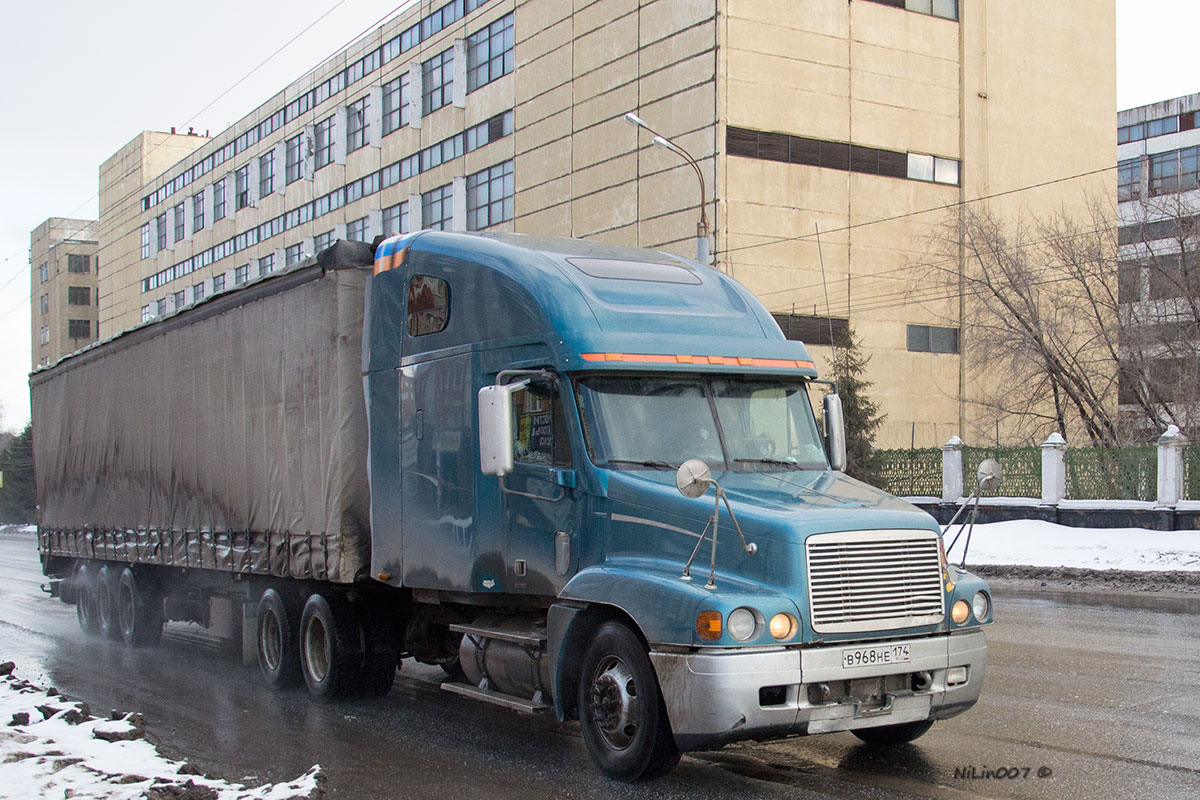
[702,254]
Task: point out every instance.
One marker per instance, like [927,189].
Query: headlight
[980,605]
[742,623]
[783,626]
[961,612]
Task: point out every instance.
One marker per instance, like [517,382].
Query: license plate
[872,656]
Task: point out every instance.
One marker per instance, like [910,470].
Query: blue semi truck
[587,480]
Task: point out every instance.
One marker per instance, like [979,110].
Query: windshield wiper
[780,462]
[650,463]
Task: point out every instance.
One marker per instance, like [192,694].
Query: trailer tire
[621,710]
[106,603]
[85,598]
[886,735]
[278,637]
[331,647]
[139,610]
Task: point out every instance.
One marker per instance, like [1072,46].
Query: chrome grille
[874,580]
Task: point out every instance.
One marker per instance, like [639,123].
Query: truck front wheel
[331,647]
[894,734]
[621,711]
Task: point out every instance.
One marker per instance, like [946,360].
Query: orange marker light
[659,358]
[708,625]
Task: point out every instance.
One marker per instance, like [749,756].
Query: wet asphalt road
[1101,700]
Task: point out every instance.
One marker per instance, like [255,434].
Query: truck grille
[874,580]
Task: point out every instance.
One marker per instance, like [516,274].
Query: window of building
[160,307]
[218,200]
[813,330]
[45,334]
[935,169]
[437,208]
[198,292]
[145,243]
[77,296]
[437,81]
[359,230]
[266,173]
[358,128]
[79,329]
[490,196]
[947,9]
[266,264]
[180,299]
[44,269]
[1176,171]
[428,305]
[932,339]
[79,263]
[241,274]
[44,302]
[180,226]
[1129,179]
[241,187]
[395,219]
[147,314]
[292,254]
[293,158]
[396,104]
[322,241]
[323,144]
[219,283]
[161,225]
[490,53]
[198,211]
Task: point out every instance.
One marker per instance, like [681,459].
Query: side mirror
[693,478]
[835,432]
[989,474]
[496,429]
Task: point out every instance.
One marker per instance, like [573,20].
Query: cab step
[511,702]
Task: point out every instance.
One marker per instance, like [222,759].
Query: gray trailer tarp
[230,436]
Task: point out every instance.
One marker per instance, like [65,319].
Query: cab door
[541,502]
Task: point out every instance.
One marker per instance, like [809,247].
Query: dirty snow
[51,747]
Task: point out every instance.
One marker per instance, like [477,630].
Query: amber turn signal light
[708,625]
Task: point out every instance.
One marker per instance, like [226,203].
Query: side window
[540,429]
[428,305]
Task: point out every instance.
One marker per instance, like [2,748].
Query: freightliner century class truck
[587,480]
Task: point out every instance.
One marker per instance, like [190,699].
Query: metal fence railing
[1022,469]
[1112,473]
[911,473]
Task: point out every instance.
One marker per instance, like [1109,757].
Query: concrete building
[1158,191]
[63,266]
[864,120]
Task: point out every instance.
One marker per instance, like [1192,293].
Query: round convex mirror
[692,478]
[989,474]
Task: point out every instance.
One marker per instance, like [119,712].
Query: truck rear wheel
[278,635]
[894,734]
[621,711]
[106,603]
[139,610]
[331,647]
[85,598]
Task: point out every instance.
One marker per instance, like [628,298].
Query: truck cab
[598,474]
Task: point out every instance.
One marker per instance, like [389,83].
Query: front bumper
[714,697]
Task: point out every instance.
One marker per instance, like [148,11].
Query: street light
[702,254]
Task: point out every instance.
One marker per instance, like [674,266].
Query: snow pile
[51,747]
[1043,544]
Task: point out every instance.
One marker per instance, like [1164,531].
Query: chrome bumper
[713,697]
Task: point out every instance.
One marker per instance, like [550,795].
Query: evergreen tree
[17,499]
[861,414]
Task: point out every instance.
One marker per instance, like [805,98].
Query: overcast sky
[80,79]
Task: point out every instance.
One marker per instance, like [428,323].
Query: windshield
[729,423]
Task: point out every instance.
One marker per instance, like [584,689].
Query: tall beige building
[863,121]
[63,264]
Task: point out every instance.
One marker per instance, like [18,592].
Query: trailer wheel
[621,711]
[278,635]
[139,610]
[85,598]
[331,647]
[106,603]
[894,734]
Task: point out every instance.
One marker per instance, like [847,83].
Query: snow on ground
[53,748]
[1044,544]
